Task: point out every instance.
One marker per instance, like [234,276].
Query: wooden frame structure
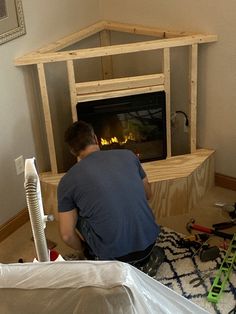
[115,87]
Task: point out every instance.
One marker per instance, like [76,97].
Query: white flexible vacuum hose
[35,207]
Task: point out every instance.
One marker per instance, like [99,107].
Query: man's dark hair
[78,136]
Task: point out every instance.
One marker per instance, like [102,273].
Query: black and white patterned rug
[180,267]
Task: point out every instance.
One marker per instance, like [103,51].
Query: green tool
[223,273]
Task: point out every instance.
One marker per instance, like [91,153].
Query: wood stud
[166,70]
[72,87]
[193,64]
[47,117]
[107,67]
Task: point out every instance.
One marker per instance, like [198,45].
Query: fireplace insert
[137,123]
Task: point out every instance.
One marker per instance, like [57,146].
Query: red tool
[192,226]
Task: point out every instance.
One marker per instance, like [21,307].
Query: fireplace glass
[135,122]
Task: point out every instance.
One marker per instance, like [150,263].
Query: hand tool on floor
[225,225]
[228,207]
[209,253]
[192,226]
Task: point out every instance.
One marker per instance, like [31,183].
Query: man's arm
[67,223]
[147,188]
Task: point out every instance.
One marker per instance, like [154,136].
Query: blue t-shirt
[107,190]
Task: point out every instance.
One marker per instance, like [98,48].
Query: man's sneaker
[156,258]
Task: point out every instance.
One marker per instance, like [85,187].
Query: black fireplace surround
[137,123]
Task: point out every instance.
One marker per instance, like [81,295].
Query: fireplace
[137,123]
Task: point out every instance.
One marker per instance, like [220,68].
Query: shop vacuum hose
[35,207]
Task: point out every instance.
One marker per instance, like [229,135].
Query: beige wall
[217,63]
[22,129]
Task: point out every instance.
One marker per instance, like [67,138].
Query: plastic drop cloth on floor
[85,287]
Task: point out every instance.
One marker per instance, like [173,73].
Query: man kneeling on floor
[102,202]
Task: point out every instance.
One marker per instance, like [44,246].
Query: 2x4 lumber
[107,67]
[193,95]
[47,117]
[73,38]
[143,30]
[119,93]
[115,49]
[72,87]
[166,70]
[119,84]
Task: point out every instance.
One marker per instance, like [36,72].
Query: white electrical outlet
[20,165]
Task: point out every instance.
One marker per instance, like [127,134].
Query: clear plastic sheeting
[86,287]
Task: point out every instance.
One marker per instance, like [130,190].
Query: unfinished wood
[177,166]
[226,182]
[166,70]
[72,38]
[119,93]
[193,96]
[49,183]
[13,224]
[119,83]
[169,198]
[114,50]
[107,67]
[171,180]
[143,30]
[200,181]
[47,117]
[72,87]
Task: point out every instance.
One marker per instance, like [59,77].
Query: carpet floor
[180,267]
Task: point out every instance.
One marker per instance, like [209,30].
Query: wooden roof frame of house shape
[115,87]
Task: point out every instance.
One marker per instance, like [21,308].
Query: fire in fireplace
[133,122]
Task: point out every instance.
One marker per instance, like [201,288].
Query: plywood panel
[200,181]
[176,167]
[177,183]
[49,184]
[169,198]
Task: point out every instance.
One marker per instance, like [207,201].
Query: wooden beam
[107,67]
[72,87]
[73,38]
[115,49]
[166,70]
[193,95]
[119,84]
[143,30]
[47,117]
[119,93]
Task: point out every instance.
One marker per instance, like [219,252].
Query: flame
[114,139]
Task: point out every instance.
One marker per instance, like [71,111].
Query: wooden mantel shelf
[177,183]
